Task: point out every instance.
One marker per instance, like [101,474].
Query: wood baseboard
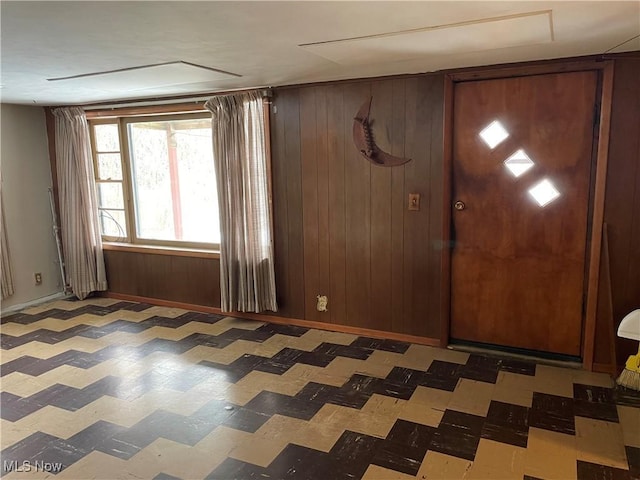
[366,332]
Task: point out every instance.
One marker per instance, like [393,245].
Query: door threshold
[575,364]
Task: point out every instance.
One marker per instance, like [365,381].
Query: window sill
[156,250]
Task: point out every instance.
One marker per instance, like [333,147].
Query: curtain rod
[265,91]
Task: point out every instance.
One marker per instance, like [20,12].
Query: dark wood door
[518,267]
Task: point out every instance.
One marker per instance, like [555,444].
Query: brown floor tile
[123,390]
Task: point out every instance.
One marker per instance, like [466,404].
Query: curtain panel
[247,278]
[81,240]
[5,273]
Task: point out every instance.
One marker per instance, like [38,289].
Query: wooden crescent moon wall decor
[365,143]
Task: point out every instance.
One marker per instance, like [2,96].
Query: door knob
[459,205]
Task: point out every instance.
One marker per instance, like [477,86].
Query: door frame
[597,192]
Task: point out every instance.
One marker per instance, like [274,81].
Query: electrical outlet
[38,278]
[322,303]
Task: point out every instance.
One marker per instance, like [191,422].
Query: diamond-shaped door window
[544,192]
[494,134]
[519,163]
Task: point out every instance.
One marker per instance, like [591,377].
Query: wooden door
[518,267]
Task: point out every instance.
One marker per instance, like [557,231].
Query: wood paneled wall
[166,277]
[622,206]
[342,227]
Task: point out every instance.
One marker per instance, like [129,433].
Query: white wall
[26,175]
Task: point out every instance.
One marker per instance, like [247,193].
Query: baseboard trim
[367,332]
[34,303]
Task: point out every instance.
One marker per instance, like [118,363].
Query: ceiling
[202,47]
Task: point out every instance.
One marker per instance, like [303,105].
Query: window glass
[107,138]
[173,180]
[110,195]
[109,181]
[109,166]
[112,223]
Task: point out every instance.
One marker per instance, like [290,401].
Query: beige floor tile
[167,312]
[17,330]
[630,423]
[31,472]
[272,346]
[426,406]
[12,432]
[374,472]
[600,442]
[269,440]
[367,422]
[100,466]
[377,416]
[201,352]
[128,315]
[56,421]
[23,385]
[45,351]
[304,342]
[118,411]
[318,435]
[256,382]
[496,460]
[96,465]
[514,388]
[432,397]
[166,333]
[553,381]
[311,373]
[210,452]
[472,397]
[61,304]
[245,324]
[422,414]
[438,466]
[163,455]
[448,355]
[198,327]
[230,353]
[590,378]
[127,338]
[325,336]
[342,366]
[550,455]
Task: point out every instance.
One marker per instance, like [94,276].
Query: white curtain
[5,273]
[247,279]
[81,239]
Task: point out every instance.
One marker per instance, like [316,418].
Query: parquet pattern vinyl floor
[109,389]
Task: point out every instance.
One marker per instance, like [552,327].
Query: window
[156,181]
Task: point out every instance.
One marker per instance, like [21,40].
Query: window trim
[132,240]
[123,182]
